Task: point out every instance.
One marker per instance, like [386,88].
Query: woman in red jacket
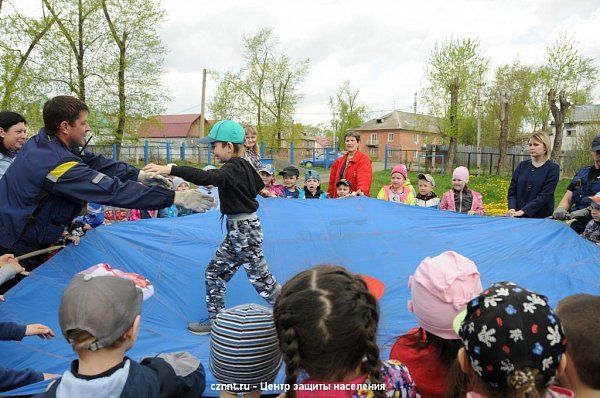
[355,166]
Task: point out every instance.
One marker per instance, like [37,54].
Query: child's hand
[37,329]
[471,212]
[5,259]
[74,239]
[510,213]
[157,169]
[9,260]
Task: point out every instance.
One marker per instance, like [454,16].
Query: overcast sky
[380,46]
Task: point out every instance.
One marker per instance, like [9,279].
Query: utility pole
[202,119]
[415,104]
[479,125]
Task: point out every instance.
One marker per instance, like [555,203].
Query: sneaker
[201,328]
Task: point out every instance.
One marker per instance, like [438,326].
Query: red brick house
[174,128]
[399,130]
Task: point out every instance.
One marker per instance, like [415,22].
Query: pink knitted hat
[441,288]
[400,168]
[461,173]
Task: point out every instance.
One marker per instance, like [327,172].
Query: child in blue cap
[239,184]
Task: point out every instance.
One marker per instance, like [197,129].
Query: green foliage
[265,91]
[72,51]
[518,81]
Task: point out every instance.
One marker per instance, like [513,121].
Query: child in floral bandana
[514,345]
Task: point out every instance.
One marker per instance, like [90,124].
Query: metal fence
[432,159]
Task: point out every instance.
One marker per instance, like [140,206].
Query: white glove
[194,200]
[152,179]
[581,213]
[560,213]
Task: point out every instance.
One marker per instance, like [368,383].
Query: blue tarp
[372,237]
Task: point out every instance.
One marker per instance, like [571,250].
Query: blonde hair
[251,130]
[542,136]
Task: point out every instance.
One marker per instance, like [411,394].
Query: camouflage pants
[242,247]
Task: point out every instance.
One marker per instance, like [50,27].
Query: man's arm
[76,179]
[112,168]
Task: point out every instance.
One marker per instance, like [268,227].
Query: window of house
[416,138]
[374,137]
[390,137]
[373,151]
[571,133]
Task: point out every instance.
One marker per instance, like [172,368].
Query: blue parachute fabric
[380,239]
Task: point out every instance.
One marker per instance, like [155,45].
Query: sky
[381,47]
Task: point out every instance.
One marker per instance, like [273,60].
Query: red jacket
[427,371]
[359,172]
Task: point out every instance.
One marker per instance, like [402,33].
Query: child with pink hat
[398,191]
[461,198]
[440,289]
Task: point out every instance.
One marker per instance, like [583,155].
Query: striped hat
[244,346]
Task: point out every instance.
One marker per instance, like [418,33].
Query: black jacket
[238,183]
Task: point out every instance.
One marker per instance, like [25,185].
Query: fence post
[326,158]
[182,151]
[114,145]
[385,157]
[262,149]
[513,167]
[469,161]
[168,152]
[208,156]
[146,152]
[292,152]
[491,161]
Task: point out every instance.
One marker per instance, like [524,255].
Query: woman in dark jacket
[532,186]
[13,131]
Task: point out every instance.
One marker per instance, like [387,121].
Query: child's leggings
[242,246]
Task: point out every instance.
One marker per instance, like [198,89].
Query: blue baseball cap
[225,131]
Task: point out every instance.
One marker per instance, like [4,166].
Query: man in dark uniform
[585,183]
[50,181]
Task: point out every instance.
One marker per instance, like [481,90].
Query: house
[582,119]
[398,130]
[175,129]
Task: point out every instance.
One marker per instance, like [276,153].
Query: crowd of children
[504,341]
[498,342]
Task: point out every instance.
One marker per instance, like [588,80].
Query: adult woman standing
[251,145]
[531,191]
[354,166]
[13,130]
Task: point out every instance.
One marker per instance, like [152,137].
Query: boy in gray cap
[312,186]
[100,317]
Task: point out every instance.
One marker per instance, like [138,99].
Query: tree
[347,111]
[507,109]
[77,26]
[21,86]
[282,94]
[137,61]
[452,72]
[265,88]
[569,74]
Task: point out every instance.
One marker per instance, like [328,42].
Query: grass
[493,188]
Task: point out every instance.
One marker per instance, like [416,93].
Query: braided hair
[326,321]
